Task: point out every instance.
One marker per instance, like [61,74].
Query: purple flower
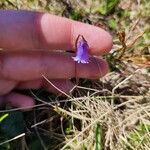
[82,50]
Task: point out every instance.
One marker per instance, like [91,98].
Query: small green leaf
[3,117]
[102,9]
[110,4]
[75,15]
[107,6]
[112,23]
[98,137]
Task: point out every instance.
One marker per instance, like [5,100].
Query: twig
[16,137]
[38,135]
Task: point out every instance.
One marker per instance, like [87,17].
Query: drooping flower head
[82,50]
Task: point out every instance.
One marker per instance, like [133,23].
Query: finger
[6,86]
[19,100]
[24,30]
[31,66]
[58,86]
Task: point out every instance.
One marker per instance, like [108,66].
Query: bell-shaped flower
[82,50]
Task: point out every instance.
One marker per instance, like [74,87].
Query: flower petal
[82,55]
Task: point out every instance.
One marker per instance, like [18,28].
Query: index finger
[24,30]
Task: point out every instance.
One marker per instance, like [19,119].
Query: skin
[29,43]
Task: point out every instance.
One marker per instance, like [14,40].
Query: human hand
[27,42]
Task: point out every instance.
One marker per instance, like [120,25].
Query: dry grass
[113,112]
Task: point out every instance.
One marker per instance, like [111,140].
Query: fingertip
[107,43]
[96,69]
[6,86]
[104,64]
[102,67]
[99,40]
[19,100]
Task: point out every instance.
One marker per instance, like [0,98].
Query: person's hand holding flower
[29,42]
